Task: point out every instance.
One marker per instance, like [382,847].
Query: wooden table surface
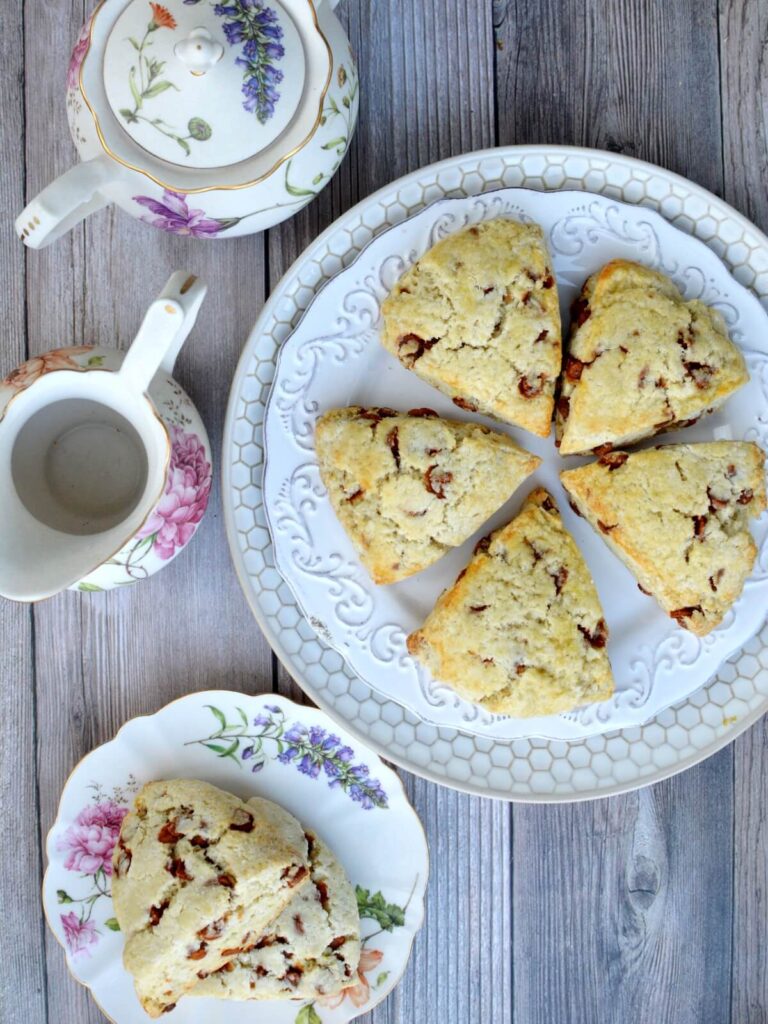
[645,907]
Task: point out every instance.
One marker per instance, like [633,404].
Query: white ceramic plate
[525,769]
[334,358]
[252,746]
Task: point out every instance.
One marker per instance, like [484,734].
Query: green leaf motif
[340,141]
[63,896]
[184,145]
[308,1015]
[220,718]
[90,588]
[381,979]
[96,360]
[129,116]
[318,178]
[134,88]
[157,88]
[243,716]
[134,43]
[230,749]
[112,924]
[387,915]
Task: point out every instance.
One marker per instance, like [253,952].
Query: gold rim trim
[386,988]
[207,188]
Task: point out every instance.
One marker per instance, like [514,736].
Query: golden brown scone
[521,632]
[478,317]
[409,486]
[198,875]
[678,517]
[311,950]
[640,360]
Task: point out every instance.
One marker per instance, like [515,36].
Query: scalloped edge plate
[526,770]
[262,745]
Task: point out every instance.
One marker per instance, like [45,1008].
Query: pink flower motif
[108,813]
[79,935]
[175,518]
[78,56]
[90,841]
[38,366]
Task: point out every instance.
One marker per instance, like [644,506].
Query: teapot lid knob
[199,51]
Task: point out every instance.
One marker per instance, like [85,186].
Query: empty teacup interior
[78,466]
[83,459]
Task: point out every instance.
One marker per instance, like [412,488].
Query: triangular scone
[521,632]
[640,360]
[409,486]
[197,875]
[312,949]
[678,517]
[478,317]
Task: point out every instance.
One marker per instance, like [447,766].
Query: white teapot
[105,464]
[202,118]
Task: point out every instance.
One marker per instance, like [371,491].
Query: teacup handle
[66,201]
[164,330]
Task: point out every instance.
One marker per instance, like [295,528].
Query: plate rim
[335,642]
[390,985]
[513,153]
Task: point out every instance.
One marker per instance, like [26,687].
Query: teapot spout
[164,330]
[66,201]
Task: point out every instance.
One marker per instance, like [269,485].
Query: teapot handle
[66,201]
[164,330]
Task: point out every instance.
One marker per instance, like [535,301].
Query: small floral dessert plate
[253,746]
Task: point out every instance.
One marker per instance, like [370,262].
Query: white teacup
[105,462]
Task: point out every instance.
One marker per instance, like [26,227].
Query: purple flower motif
[174,215]
[274,709]
[261,720]
[188,486]
[79,935]
[257,26]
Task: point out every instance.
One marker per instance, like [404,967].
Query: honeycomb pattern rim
[524,770]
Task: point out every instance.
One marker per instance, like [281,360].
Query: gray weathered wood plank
[102,659]
[22,982]
[615,908]
[744,77]
[426,93]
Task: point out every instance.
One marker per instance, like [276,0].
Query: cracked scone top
[521,632]
[478,317]
[640,360]
[198,875]
[313,949]
[405,486]
[678,517]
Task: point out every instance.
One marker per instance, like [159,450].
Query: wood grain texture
[645,907]
[22,982]
[744,78]
[427,92]
[634,905]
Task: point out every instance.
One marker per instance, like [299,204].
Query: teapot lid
[189,86]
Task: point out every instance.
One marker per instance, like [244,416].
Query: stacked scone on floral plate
[204,885]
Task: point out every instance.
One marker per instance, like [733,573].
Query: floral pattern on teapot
[180,215]
[223,213]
